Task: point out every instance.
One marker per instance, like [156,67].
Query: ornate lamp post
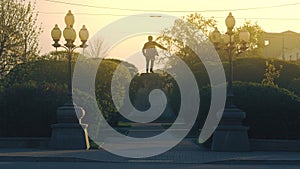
[69,132]
[231,135]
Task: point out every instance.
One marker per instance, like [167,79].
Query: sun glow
[273,16]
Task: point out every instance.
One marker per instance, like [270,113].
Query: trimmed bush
[253,69]
[295,86]
[271,112]
[42,71]
[31,93]
[29,109]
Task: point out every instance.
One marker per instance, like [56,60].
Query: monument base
[147,82]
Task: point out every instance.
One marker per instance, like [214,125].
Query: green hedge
[252,70]
[42,71]
[271,112]
[29,109]
[295,86]
[31,93]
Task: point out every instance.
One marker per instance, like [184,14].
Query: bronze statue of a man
[149,51]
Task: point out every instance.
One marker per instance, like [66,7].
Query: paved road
[92,165]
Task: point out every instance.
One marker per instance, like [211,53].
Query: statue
[149,51]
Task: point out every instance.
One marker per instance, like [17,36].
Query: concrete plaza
[187,154]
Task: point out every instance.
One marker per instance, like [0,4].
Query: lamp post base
[69,136]
[231,135]
[69,133]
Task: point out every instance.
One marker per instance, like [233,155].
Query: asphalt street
[97,165]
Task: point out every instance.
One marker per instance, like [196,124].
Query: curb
[43,159]
[81,160]
[256,162]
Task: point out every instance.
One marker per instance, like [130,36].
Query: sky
[271,15]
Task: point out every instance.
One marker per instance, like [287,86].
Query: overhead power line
[182,11]
[109,14]
[63,13]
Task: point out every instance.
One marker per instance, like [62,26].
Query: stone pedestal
[149,82]
[69,133]
[69,136]
[231,135]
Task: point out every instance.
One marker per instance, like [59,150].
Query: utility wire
[159,10]
[109,14]
[147,10]
[63,13]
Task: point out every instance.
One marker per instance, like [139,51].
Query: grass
[124,124]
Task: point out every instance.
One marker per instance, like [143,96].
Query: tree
[256,43]
[253,47]
[184,30]
[18,34]
[193,28]
[191,35]
[96,48]
[188,36]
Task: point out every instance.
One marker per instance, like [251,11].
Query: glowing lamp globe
[230,21]
[56,33]
[83,34]
[69,19]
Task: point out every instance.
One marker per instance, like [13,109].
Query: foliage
[271,112]
[41,71]
[186,32]
[53,71]
[256,42]
[190,35]
[25,86]
[245,70]
[18,34]
[96,48]
[253,69]
[251,49]
[28,109]
[191,32]
[271,73]
[295,86]
[104,87]
[29,86]
[59,56]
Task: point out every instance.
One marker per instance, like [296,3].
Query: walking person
[149,51]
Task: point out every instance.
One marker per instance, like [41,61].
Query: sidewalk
[187,152]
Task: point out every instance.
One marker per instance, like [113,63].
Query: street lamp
[69,132]
[70,35]
[244,39]
[216,37]
[231,135]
